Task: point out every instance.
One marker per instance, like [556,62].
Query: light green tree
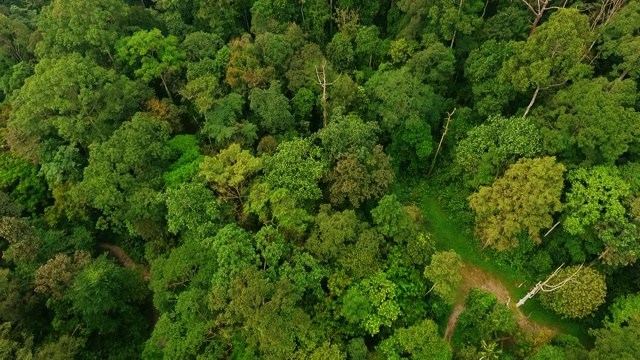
[371,303]
[420,341]
[444,273]
[151,55]
[297,166]
[595,196]
[552,56]
[578,297]
[523,199]
[230,172]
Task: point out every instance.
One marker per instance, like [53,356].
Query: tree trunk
[453,38]
[534,25]
[322,81]
[533,100]
[529,295]
[324,106]
[166,88]
[446,128]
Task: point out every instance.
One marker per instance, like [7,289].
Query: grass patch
[452,234]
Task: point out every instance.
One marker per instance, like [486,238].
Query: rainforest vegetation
[319,179]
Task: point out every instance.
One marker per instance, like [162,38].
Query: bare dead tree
[550,230]
[607,9]
[535,95]
[537,8]
[533,100]
[321,75]
[545,287]
[446,128]
[453,38]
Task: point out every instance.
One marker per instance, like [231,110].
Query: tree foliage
[444,273]
[523,199]
[273,179]
[578,297]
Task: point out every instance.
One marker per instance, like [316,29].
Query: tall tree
[596,204]
[578,297]
[71,98]
[408,109]
[617,342]
[490,147]
[89,28]
[523,199]
[359,181]
[224,124]
[421,341]
[444,273]
[620,38]
[297,166]
[230,172]
[597,116]
[491,93]
[552,56]
[124,176]
[272,108]
[151,55]
[371,303]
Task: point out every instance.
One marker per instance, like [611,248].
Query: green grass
[450,234]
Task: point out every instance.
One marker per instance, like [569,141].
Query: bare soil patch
[474,277]
[124,259]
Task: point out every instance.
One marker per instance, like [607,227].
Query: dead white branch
[321,75]
[545,287]
[446,128]
[550,230]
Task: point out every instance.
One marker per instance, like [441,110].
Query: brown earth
[473,277]
[125,260]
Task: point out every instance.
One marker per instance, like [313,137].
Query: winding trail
[474,277]
[117,252]
[453,320]
[481,272]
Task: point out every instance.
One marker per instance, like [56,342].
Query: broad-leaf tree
[73,99]
[151,55]
[90,28]
[124,176]
[522,200]
[595,116]
[552,56]
[444,273]
[580,296]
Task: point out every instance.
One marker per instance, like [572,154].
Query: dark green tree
[124,176]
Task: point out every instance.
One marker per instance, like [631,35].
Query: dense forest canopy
[319,179]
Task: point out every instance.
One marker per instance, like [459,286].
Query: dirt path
[117,252]
[453,320]
[473,277]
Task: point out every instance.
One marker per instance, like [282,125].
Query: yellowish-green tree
[523,199]
[580,296]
